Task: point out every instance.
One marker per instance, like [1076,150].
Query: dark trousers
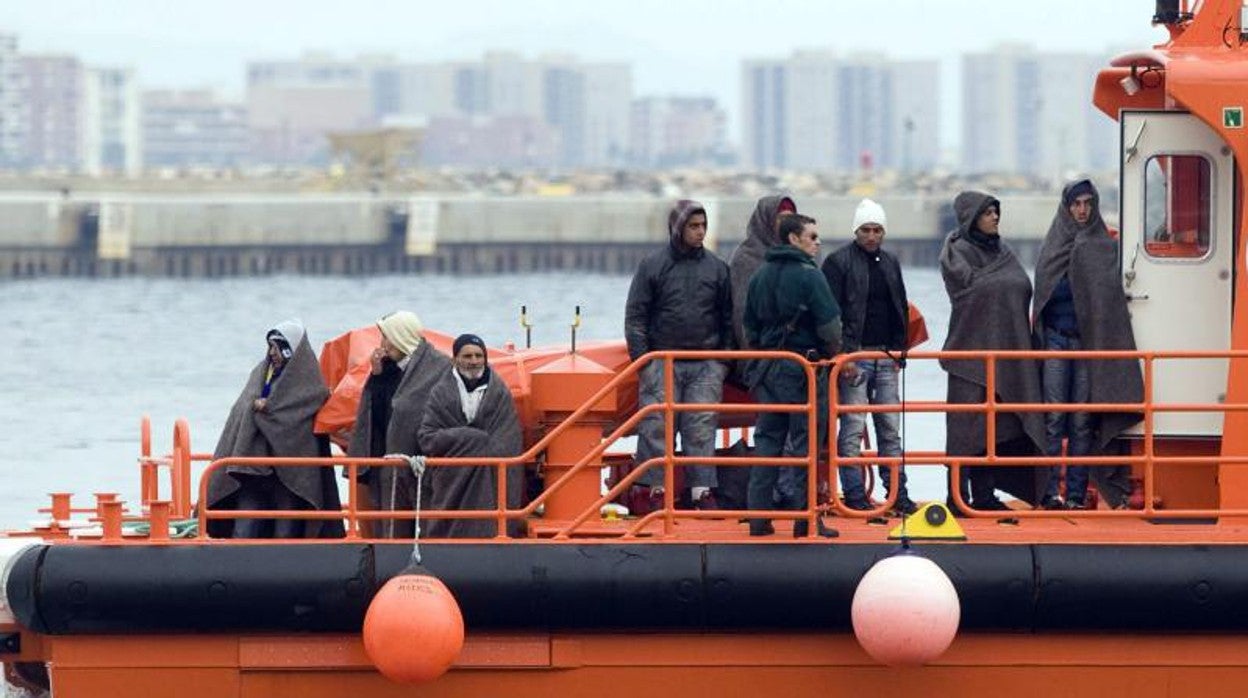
[979,483]
[266,492]
[785,383]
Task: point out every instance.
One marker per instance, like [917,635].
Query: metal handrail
[668,514]
[500,512]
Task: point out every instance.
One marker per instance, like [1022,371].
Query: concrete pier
[101,234]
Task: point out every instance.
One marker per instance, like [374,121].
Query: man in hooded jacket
[392,405]
[762,233]
[989,294]
[1079,304]
[273,417]
[680,298]
[471,414]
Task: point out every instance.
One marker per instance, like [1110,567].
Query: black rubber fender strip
[78,589]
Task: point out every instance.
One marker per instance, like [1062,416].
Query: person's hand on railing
[851,374]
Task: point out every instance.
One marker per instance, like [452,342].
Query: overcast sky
[675,46]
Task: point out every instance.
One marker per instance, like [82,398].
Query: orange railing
[1147,460]
[501,513]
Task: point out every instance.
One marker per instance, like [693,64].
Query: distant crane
[375,154]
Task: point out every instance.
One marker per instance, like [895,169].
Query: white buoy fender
[905,611]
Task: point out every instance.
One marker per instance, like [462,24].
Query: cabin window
[1177,211]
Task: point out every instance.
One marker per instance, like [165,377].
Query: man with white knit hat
[868,285]
[392,404]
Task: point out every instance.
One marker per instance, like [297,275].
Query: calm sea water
[83,360]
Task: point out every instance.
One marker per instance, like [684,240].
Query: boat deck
[1013,528]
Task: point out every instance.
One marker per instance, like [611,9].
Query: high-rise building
[764,109]
[1029,112]
[563,106]
[512,85]
[293,105]
[817,111]
[193,128]
[675,131]
[54,91]
[608,94]
[489,141]
[426,90]
[865,124]
[112,127]
[915,120]
[13,114]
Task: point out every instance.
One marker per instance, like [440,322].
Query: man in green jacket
[788,307]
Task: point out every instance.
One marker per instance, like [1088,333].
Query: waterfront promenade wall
[230,234]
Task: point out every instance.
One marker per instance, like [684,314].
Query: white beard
[472,374]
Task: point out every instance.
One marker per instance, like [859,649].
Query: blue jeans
[693,381]
[1067,381]
[785,384]
[876,384]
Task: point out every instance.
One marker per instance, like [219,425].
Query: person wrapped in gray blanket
[1079,304]
[405,369]
[990,297]
[273,416]
[471,414]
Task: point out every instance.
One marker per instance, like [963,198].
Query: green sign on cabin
[1232,117]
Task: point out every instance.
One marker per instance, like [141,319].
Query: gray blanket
[1088,256]
[760,235]
[990,296]
[493,432]
[389,485]
[284,428]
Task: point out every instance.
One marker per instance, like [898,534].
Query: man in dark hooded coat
[273,417]
[680,298]
[471,414]
[392,406]
[1080,304]
[990,296]
[761,234]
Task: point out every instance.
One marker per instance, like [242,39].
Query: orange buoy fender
[413,630]
[905,611]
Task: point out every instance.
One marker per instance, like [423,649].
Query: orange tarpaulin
[916,328]
[345,366]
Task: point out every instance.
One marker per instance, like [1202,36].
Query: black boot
[761,527]
[801,528]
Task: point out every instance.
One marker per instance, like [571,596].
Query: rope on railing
[417,464]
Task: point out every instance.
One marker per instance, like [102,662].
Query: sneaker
[1074,504]
[643,500]
[1053,502]
[656,498]
[706,501]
